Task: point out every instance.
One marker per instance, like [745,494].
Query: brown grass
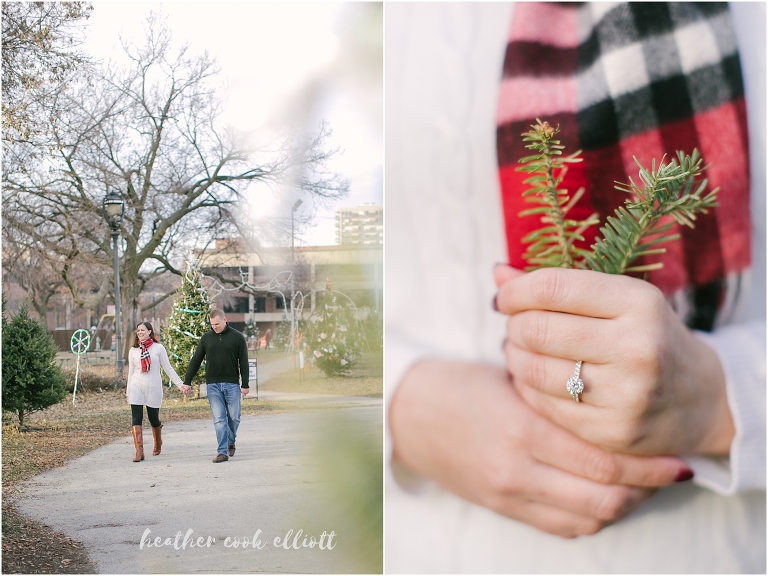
[363,379]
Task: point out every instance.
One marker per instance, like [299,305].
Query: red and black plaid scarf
[634,79]
[146,362]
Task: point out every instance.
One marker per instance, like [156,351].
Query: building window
[239,305]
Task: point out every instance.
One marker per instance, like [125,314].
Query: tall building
[360,225]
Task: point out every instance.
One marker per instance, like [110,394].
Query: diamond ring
[575,385]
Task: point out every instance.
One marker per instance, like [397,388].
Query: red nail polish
[683,475]
[496,303]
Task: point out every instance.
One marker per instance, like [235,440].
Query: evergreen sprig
[637,229]
[554,244]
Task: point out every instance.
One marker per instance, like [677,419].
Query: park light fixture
[114,208]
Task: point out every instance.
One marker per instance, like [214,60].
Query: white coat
[146,388]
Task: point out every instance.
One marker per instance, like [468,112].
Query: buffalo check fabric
[146,361]
[641,80]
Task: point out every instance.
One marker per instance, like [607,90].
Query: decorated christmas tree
[282,337]
[333,337]
[251,332]
[187,323]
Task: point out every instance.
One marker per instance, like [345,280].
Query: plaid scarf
[635,79]
[146,362]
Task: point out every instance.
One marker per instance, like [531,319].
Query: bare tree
[150,130]
[24,265]
[40,51]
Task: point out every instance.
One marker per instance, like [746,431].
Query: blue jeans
[224,398]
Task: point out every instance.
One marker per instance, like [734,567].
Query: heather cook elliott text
[291,541]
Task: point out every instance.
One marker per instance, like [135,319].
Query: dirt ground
[33,548]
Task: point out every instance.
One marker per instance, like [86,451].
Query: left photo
[192,287]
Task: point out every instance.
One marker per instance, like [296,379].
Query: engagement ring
[575,385]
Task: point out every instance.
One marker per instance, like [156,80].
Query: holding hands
[651,386]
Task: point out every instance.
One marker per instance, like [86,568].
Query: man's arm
[243,352]
[194,364]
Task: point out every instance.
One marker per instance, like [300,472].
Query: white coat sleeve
[741,350]
[401,355]
[166,364]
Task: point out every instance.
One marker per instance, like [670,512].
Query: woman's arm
[166,364]
[466,427]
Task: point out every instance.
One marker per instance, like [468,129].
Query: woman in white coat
[145,387]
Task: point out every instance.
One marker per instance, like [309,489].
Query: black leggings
[137,412]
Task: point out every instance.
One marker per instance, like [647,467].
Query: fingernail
[684,474]
[497,264]
[496,302]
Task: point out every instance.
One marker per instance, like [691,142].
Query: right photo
[575,299]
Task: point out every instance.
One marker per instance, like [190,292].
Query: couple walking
[226,374]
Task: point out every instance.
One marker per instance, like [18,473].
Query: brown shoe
[220,458]
[158,439]
[231,450]
[138,441]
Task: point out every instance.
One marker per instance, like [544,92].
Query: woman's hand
[650,386]
[465,426]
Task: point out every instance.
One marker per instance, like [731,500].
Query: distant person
[268,337]
[145,387]
[226,369]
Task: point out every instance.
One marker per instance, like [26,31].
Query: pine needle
[673,190]
[669,190]
[553,245]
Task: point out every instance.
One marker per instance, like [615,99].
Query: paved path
[276,482]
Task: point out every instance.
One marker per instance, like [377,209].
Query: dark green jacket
[226,358]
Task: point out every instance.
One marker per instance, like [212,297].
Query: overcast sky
[272,54]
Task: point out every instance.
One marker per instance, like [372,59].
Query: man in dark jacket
[226,375]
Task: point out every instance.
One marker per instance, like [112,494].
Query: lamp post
[293,282]
[113,208]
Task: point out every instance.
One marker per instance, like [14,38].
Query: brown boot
[138,441]
[158,439]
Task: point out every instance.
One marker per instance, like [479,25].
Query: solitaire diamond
[575,385]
